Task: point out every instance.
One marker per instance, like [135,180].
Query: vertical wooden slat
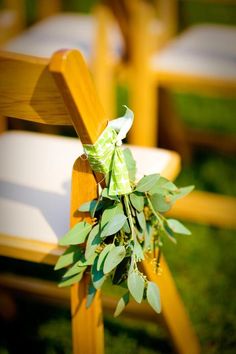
[81,99]
[103,62]
[74,83]
[87,324]
[142,86]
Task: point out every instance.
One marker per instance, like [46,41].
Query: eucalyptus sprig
[124,228]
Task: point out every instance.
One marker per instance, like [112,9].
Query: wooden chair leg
[174,314]
[87,324]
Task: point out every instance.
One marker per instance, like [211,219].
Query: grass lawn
[203,264]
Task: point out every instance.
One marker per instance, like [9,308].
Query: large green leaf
[160,202]
[93,241]
[114,257]
[110,212]
[114,225]
[177,227]
[147,182]
[168,232]
[98,277]
[136,285]
[124,300]
[76,235]
[137,200]
[162,186]
[71,280]
[130,163]
[141,220]
[103,254]
[75,269]
[153,296]
[71,255]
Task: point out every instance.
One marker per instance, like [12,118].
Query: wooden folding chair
[35,178]
[153,72]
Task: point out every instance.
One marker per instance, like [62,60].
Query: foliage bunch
[123,229]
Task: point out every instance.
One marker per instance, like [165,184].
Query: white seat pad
[35,184]
[202,50]
[63,31]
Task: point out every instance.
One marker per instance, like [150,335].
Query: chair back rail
[65,96]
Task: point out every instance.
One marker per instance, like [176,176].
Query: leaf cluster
[124,228]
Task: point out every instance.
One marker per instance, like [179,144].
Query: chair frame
[75,88]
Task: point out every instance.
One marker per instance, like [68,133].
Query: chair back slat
[79,93]
[28,90]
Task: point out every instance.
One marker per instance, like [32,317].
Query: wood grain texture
[75,84]
[87,324]
[142,89]
[28,90]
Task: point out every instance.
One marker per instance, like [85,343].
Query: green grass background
[203,264]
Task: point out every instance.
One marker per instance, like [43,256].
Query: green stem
[129,215]
[157,215]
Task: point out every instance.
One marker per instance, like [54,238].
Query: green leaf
[168,232]
[98,277]
[90,206]
[162,184]
[114,257]
[114,225]
[76,235]
[178,227]
[141,220]
[91,294]
[75,269]
[147,182]
[148,237]
[93,241]
[124,300]
[138,251]
[136,285]
[110,212]
[181,192]
[103,254]
[137,200]
[130,163]
[106,195]
[160,202]
[71,255]
[126,227]
[71,280]
[153,296]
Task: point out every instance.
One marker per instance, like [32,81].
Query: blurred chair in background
[201,59]
[35,181]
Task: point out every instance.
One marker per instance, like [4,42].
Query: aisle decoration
[127,223]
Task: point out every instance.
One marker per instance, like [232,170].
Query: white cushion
[63,31]
[35,181]
[202,50]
